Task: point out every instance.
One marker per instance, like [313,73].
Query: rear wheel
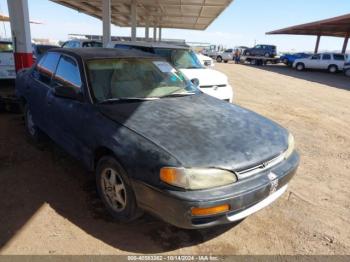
[115,190]
[219,59]
[226,61]
[300,67]
[333,69]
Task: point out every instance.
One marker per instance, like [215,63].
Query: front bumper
[245,197]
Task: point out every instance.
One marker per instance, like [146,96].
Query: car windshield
[6,47]
[180,58]
[136,78]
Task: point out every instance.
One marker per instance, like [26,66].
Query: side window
[67,72]
[258,47]
[326,57]
[316,57]
[339,57]
[46,68]
[66,45]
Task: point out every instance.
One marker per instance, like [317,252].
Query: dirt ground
[49,205]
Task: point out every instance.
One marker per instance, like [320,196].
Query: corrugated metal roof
[182,14]
[337,26]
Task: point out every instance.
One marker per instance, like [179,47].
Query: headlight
[290,149]
[196,178]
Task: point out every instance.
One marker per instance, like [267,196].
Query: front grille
[260,168]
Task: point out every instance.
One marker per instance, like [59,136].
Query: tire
[225,61]
[219,59]
[267,55]
[121,202]
[285,61]
[332,69]
[300,67]
[347,72]
[32,131]
[247,53]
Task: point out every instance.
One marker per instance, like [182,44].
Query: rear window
[6,47]
[339,57]
[92,44]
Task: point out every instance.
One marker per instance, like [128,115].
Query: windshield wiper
[127,99]
[178,95]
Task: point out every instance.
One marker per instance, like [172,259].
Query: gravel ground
[49,205]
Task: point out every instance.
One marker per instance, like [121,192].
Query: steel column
[317,44]
[345,45]
[133,20]
[20,30]
[106,21]
[160,34]
[154,33]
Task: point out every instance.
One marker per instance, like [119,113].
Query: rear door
[325,62]
[38,88]
[7,64]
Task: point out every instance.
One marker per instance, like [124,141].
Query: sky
[244,22]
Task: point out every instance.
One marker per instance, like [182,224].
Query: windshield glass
[118,79]
[6,47]
[180,58]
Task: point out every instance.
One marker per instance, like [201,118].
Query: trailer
[260,60]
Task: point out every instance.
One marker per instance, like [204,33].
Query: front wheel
[115,190]
[225,61]
[219,59]
[267,55]
[300,67]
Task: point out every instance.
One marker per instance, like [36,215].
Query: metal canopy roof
[337,26]
[182,14]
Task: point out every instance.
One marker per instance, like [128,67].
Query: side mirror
[67,91]
[195,81]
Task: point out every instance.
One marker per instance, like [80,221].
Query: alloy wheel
[113,188]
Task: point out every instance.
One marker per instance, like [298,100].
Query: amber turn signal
[199,211]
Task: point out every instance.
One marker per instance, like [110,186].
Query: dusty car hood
[202,131]
[206,77]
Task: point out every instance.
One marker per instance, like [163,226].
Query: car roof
[102,53]
[152,44]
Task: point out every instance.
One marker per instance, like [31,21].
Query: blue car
[288,59]
[156,142]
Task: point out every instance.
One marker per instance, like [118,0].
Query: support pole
[20,29]
[345,45]
[147,29]
[154,33]
[160,34]
[106,21]
[133,20]
[317,44]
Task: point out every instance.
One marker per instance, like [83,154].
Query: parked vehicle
[225,56]
[347,68]
[261,50]
[288,59]
[7,64]
[81,43]
[210,81]
[327,61]
[205,60]
[155,141]
[39,50]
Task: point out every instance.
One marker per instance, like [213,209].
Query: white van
[211,82]
[7,63]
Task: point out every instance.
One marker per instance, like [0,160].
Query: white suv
[327,61]
[7,64]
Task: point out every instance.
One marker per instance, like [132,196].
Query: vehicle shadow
[322,77]
[34,175]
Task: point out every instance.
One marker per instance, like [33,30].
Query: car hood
[206,77]
[202,131]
